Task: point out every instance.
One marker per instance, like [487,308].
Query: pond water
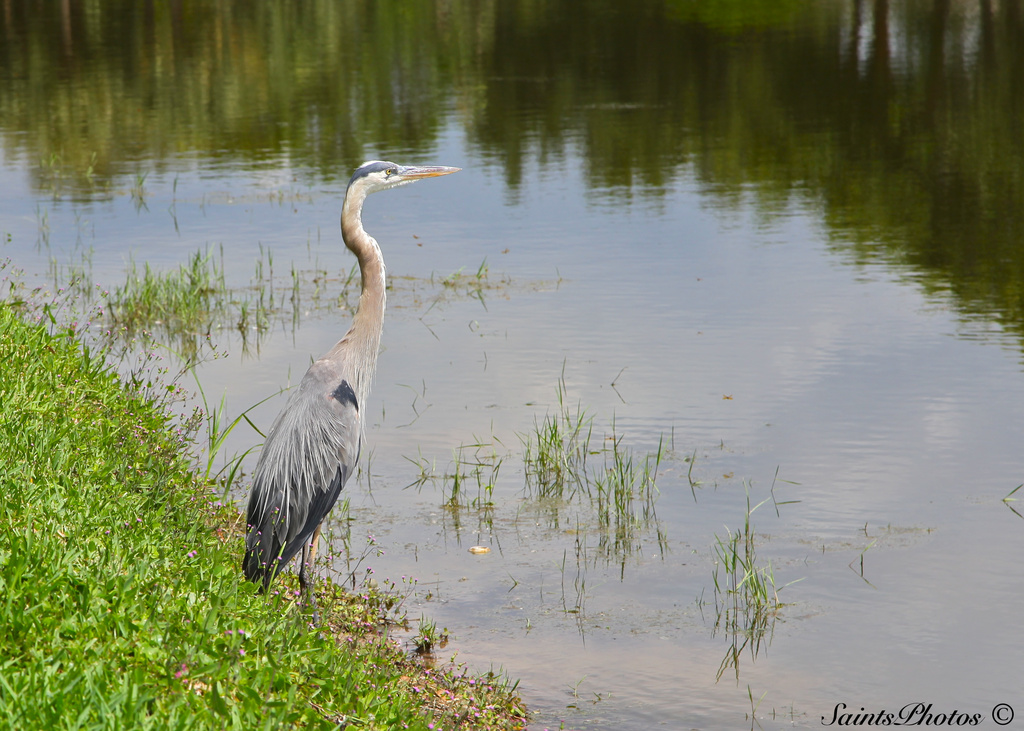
[780,244]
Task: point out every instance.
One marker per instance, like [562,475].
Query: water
[785,242]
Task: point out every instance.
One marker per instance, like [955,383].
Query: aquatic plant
[469,479]
[559,464]
[555,452]
[746,596]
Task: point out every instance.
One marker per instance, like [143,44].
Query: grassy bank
[121,599]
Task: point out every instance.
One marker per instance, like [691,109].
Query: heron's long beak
[416,172]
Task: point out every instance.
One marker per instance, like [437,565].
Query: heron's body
[314,444]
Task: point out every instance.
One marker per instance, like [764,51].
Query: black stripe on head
[371,166]
[344,394]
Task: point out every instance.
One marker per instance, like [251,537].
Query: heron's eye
[389,172]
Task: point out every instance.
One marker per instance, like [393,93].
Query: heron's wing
[309,454]
[320,496]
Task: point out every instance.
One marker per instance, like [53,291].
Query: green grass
[460,285]
[593,488]
[121,600]
[1011,499]
[596,485]
[746,596]
[561,465]
[183,305]
[429,638]
[555,452]
[468,481]
[625,492]
[183,308]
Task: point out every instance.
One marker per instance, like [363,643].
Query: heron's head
[380,175]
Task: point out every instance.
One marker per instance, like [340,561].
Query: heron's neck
[363,337]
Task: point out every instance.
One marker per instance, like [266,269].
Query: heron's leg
[306,580]
[313,544]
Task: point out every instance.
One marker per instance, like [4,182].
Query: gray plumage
[313,446]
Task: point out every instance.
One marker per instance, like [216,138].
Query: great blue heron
[313,446]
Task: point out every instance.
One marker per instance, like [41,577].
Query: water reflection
[894,119]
